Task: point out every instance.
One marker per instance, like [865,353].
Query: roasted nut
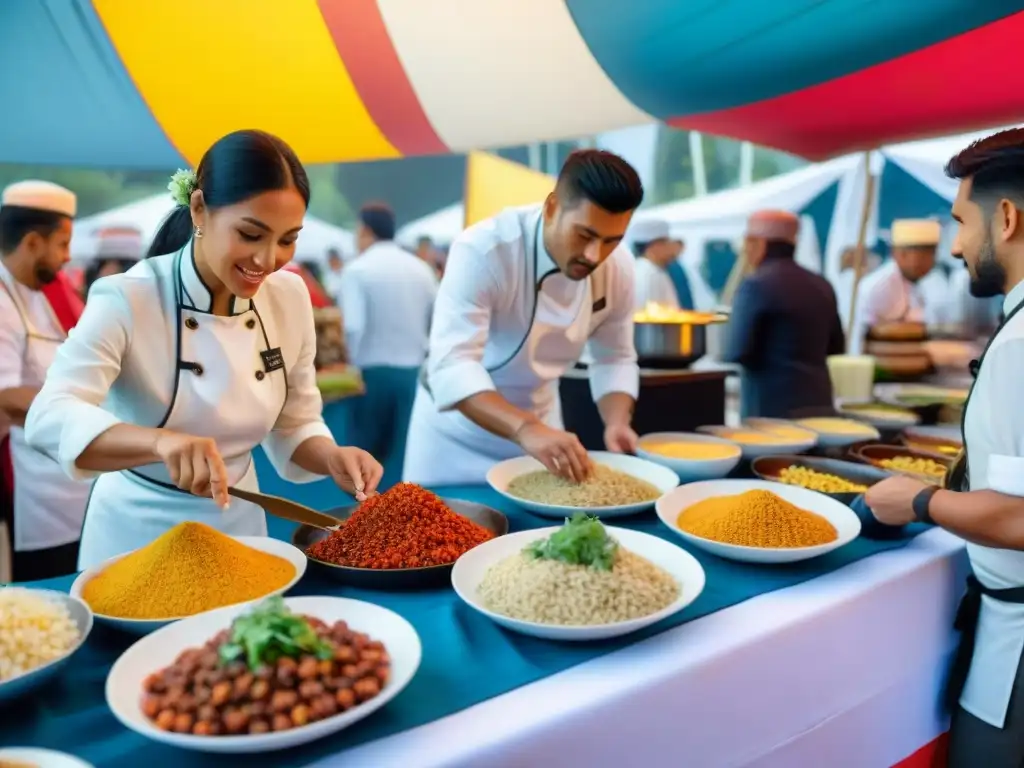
[308,668]
[151,705]
[183,723]
[221,694]
[282,701]
[259,726]
[300,715]
[345,698]
[311,689]
[165,720]
[281,722]
[366,688]
[236,721]
[260,690]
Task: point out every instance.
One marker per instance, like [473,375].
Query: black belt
[967,615]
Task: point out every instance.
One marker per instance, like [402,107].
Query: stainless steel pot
[669,345]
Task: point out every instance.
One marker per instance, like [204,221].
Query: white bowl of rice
[40,629]
[651,580]
[621,485]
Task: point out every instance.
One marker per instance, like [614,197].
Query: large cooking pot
[671,338]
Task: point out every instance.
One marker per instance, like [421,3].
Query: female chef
[182,365]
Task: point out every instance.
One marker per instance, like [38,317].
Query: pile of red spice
[406,527]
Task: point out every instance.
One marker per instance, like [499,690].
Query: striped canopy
[152,84]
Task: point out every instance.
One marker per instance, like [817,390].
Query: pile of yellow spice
[188,570]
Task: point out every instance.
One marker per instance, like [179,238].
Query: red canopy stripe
[363,43]
[960,84]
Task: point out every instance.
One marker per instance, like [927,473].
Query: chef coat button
[191,323]
[250,323]
[260,375]
[197,369]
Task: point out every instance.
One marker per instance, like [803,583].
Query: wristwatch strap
[921,503]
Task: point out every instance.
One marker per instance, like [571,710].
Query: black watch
[921,503]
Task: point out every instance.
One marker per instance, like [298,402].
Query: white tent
[441,226]
[316,238]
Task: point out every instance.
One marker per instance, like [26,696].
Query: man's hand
[620,438]
[560,452]
[891,501]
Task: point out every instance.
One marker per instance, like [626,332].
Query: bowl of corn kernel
[690,455]
[842,480]
[904,461]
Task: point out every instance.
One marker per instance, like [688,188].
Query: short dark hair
[601,177]
[995,166]
[379,219]
[237,167]
[16,222]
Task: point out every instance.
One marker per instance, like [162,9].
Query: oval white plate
[842,439]
[158,650]
[690,470]
[880,419]
[41,758]
[662,478]
[282,549]
[845,520]
[756,450]
[469,571]
[14,687]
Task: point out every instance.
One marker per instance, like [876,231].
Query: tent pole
[860,258]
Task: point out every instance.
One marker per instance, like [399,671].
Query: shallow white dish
[756,450]
[281,549]
[158,650]
[27,682]
[845,520]
[662,478]
[829,439]
[469,571]
[882,418]
[41,758]
[690,470]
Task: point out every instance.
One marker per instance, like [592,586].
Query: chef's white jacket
[654,285]
[885,296]
[387,296]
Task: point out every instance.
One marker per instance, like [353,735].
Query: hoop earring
[197,232]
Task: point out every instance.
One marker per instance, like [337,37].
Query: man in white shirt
[892,293]
[525,293]
[37,309]
[984,498]
[844,280]
[655,251]
[387,296]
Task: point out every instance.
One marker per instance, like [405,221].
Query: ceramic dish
[266,544]
[40,758]
[875,454]
[770,467]
[880,416]
[775,443]
[831,436]
[662,478]
[844,519]
[27,682]
[690,470]
[938,442]
[470,569]
[158,650]
[396,578]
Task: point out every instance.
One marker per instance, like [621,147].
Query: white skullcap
[119,243]
[648,230]
[774,225]
[910,233]
[41,196]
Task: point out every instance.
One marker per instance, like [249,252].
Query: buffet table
[834,661]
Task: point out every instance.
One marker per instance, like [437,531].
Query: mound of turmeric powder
[188,570]
[756,519]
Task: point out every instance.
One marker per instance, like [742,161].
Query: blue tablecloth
[466,658]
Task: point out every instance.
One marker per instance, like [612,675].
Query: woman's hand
[355,471]
[194,464]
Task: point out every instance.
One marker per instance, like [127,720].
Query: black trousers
[973,743]
[48,563]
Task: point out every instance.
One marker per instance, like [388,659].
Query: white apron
[48,505]
[215,395]
[449,449]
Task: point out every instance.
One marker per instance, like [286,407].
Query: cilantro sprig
[270,632]
[583,540]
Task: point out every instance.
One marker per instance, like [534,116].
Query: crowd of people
[142,408]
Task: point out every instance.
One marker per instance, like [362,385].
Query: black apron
[969,610]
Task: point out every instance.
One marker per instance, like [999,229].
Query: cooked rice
[553,592]
[606,487]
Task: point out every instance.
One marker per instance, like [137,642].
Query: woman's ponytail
[173,233]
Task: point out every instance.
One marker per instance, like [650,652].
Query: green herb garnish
[581,541]
[270,632]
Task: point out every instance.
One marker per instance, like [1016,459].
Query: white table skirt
[842,671]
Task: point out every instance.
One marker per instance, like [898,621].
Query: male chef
[37,309]
[524,294]
[784,325]
[655,252]
[985,504]
[892,293]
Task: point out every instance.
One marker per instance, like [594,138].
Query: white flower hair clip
[181,186]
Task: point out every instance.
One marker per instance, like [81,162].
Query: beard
[45,275]
[988,278]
